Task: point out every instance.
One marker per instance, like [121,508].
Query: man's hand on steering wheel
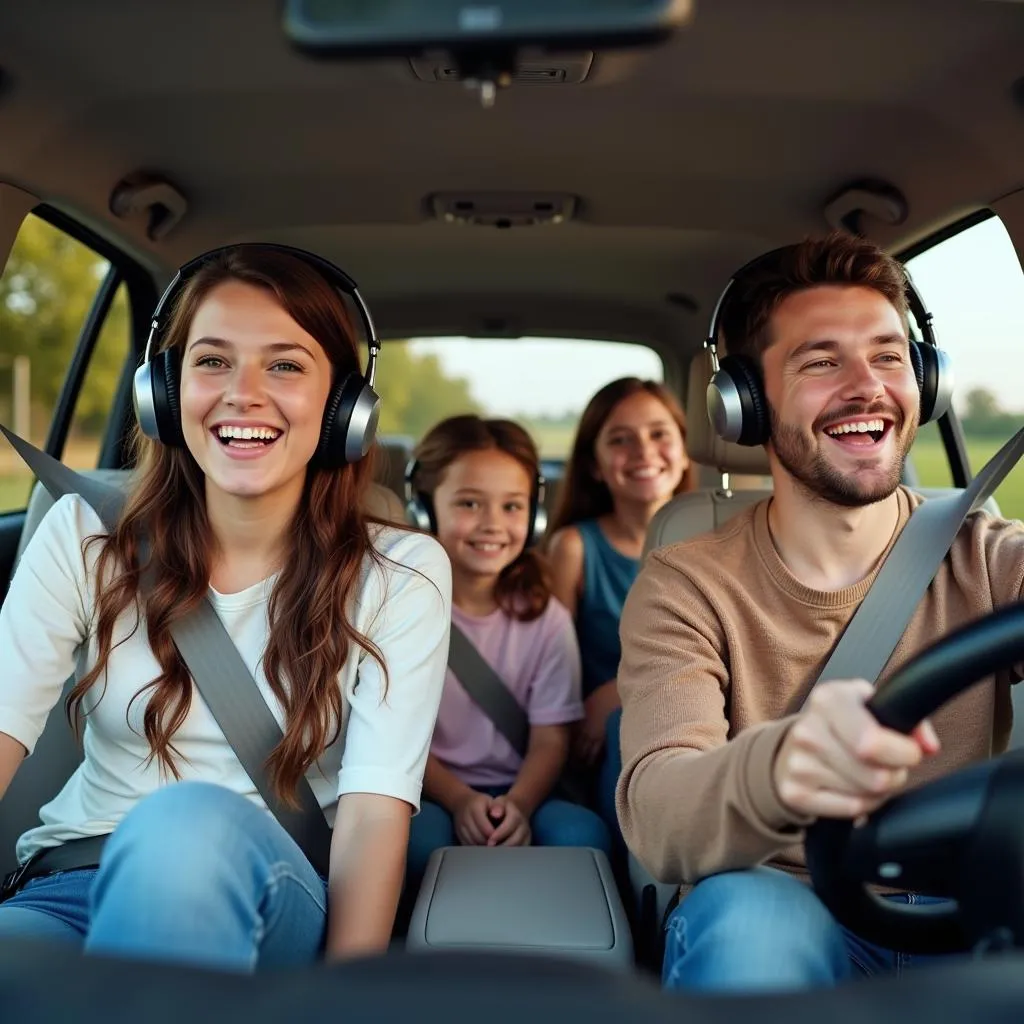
[836,761]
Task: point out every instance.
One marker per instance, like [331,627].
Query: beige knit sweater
[720,648]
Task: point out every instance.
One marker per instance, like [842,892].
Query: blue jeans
[763,929]
[554,823]
[195,874]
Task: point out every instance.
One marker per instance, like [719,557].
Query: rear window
[542,383]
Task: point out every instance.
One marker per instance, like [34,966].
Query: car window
[543,383]
[102,376]
[46,292]
[974,286]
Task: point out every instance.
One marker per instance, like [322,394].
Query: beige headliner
[688,159]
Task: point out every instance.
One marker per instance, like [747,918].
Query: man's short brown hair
[838,259]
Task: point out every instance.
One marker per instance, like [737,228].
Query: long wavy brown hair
[523,588]
[582,495]
[165,534]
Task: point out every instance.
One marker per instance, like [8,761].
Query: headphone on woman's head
[737,406]
[353,407]
[419,507]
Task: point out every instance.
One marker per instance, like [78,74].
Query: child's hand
[472,826]
[590,733]
[513,827]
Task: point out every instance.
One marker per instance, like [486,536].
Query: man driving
[729,749]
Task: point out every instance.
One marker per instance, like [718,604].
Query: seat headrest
[702,443]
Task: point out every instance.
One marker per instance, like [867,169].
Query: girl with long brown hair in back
[475,484]
[249,498]
[628,459]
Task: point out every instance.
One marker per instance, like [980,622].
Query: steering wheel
[961,836]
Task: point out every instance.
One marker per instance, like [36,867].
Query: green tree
[46,290]
[985,417]
[982,405]
[415,391]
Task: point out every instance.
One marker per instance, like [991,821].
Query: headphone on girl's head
[353,407]
[738,407]
[419,507]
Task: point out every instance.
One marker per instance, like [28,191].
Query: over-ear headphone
[353,407]
[737,406]
[419,508]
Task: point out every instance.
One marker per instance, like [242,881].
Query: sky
[539,376]
[974,287]
[972,283]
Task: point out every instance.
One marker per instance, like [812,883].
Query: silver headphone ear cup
[725,410]
[350,423]
[361,428]
[540,525]
[350,430]
[945,384]
[416,514]
[736,405]
[142,399]
[155,397]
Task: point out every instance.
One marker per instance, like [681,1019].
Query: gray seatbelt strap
[105,501]
[485,687]
[248,724]
[217,669]
[881,619]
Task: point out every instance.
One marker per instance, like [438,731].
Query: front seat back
[695,512]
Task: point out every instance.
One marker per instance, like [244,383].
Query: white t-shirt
[49,613]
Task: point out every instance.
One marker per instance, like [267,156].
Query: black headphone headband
[922,317]
[330,271]
[419,508]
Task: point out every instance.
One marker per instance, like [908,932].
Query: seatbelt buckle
[13,879]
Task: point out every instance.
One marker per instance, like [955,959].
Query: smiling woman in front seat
[250,498]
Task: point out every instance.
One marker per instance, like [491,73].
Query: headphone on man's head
[738,407]
[419,507]
[353,407]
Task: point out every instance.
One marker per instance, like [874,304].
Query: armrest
[532,899]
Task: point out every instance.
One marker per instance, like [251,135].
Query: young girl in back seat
[628,459]
[474,483]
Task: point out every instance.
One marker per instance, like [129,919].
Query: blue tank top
[607,577]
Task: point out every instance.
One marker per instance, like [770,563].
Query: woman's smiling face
[254,385]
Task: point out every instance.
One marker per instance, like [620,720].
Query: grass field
[928,455]
[933,470]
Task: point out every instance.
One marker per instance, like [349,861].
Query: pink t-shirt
[539,661]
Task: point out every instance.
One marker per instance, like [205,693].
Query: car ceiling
[687,159]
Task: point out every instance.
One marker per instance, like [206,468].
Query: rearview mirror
[362,28]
